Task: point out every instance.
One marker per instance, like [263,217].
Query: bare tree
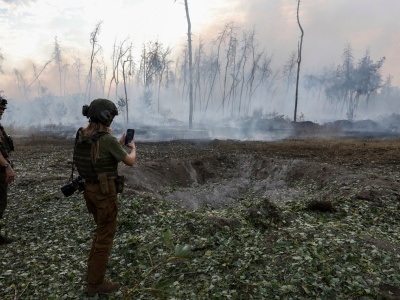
[101,75]
[289,70]
[197,73]
[129,60]
[247,37]
[346,77]
[150,66]
[189,34]
[58,59]
[150,63]
[216,63]
[22,84]
[126,93]
[37,74]
[230,61]
[78,66]
[300,47]
[235,72]
[169,76]
[256,57]
[95,49]
[65,71]
[183,70]
[264,71]
[387,86]
[154,66]
[164,65]
[119,53]
[252,82]
[233,68]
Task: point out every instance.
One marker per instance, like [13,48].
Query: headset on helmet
[100,110]
[3,102]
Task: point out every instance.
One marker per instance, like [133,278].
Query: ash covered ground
[340,173]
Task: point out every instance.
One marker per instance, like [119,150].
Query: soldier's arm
[10,175]
[130,158]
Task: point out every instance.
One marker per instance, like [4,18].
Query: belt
[95,181]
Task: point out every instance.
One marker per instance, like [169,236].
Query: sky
[28,27]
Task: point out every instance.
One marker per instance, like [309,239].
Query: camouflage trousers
[3,193]
[104,209]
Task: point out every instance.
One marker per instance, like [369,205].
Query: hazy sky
[28,27]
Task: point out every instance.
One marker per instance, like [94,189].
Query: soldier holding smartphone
[96,156]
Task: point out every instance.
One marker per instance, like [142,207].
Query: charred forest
[253,181]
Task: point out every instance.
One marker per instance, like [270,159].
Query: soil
[217,173]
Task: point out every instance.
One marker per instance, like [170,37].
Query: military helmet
[3,103]
[100,110]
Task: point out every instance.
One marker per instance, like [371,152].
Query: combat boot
[106,287]
[5,240]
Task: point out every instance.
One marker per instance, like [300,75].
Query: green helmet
[100,110]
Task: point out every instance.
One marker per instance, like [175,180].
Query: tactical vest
[6,143]
[83,161]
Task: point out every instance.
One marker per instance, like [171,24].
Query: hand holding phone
[130,133]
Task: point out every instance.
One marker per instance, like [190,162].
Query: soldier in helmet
[96,156]
[7,174]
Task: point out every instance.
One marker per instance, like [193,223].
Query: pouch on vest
[103,183]
[119,184]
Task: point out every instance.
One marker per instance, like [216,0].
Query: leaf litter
[300,219]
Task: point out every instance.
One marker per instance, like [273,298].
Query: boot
[104,288]
[5,240]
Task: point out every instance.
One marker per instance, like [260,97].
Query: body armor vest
[6,143]
[87,169]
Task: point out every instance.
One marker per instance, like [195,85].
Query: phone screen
[130,133]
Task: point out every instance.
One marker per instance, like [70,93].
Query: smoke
[18,2]
[56,96]
[328,26]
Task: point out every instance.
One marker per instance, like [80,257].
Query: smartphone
[130,133]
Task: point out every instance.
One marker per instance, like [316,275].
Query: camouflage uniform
[6,146]
[103,207]
[5,149]
[100,189]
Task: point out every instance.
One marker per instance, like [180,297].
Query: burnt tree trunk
[300,46]
[189,33]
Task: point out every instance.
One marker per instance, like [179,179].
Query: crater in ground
[218,173]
